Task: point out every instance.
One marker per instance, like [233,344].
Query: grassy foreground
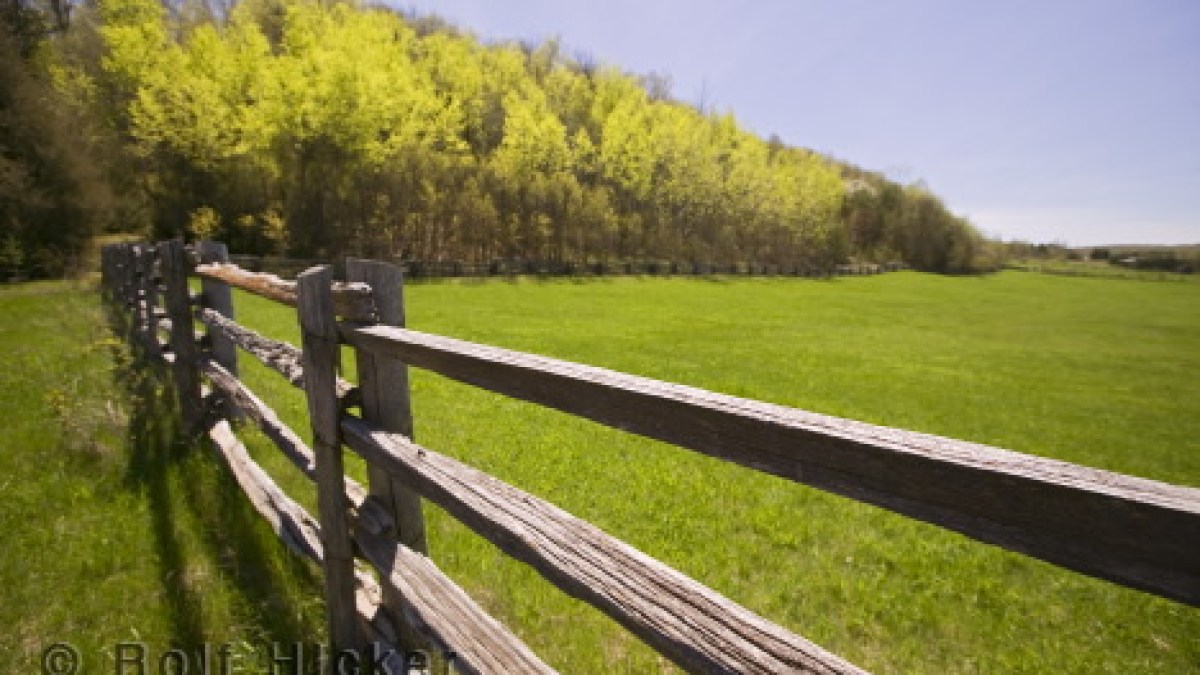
[116,530]
[1095,371]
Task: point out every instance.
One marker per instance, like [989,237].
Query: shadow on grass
[197,508]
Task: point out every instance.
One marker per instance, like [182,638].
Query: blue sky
[1072,121]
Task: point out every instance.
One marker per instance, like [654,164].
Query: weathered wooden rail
[1136,532]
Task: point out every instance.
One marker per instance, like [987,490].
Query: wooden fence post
[319,334]
[218,296]
[138,291]
[125,276]
[183,331]
[129,292]
[145,294]
[150,292]
[121,295]
[118,278]
[383,383]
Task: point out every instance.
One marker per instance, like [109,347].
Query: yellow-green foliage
[370,132]
[550,159]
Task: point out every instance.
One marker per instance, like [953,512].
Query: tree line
[316,129]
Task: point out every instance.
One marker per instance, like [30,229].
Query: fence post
[318,328]
[134,293]
[183,332]
[218,296]
[150,288]
[146,299]
[383,383]
[126,294]
[142,265]
[124,267]
[118,278]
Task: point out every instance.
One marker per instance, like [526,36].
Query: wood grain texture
[288,519]
[297,529]
[1134,531]
[145,292]
[183,338]
[436,605]
[385,396]
[350,300]
[126,280]
[692,625]
[134,288]
[218,296]
[318,329]
[439,609]
[249,406]
[282,357]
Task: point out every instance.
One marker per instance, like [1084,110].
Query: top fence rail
[1137,532]
[350,300]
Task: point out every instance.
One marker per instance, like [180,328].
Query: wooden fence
[1132,531]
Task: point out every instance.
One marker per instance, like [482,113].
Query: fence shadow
[188,490]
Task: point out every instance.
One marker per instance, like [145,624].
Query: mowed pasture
[1096,371]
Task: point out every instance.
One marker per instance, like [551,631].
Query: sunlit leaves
[535,140]
[376,131]
[135,37]
[200,101]
[348,76]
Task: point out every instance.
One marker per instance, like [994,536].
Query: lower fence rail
[694,626]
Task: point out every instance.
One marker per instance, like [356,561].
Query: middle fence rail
[1133,531]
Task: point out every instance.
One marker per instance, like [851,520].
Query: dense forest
[320,128]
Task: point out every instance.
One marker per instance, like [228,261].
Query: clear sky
[1075,121]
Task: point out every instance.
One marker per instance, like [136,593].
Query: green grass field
[115,529]
[1096,371]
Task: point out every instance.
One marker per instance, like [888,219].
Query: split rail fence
[1136,532]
